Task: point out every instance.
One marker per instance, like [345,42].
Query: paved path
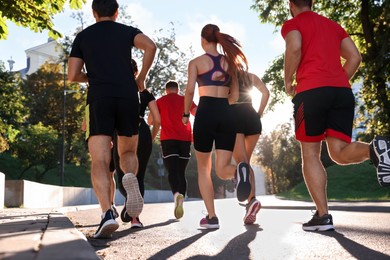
[363,231]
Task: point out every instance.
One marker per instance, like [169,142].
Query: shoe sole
[134,201]
[210,226]
[137,225]
[107,229]
[179,211]
[243,188]
[319,228]
[250,217]
[380,149]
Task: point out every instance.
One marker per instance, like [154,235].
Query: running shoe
[134,200]
[179,211]
[124,216]
[135,223]
[114,211]
[243,185]
[380,157]
[324,223]
[107,226]
[209,223]
[252,208]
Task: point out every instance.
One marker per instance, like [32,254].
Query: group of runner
[225,121]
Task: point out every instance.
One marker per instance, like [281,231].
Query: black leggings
[176,155]
[144,150]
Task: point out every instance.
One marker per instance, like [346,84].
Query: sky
[262,43]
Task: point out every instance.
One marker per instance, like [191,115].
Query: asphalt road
[277,234]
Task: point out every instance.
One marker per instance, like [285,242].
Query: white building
[51,51]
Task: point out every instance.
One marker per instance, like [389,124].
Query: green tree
[367,22]
[45,94]
[12,111]
[279,154]
[36,146]
[34,14]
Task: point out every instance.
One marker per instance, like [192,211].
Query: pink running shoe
[252,208]
[209,222]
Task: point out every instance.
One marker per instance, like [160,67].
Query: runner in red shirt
[324,103]
[176,141]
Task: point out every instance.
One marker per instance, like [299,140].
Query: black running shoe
[243,185]
[107,226]
[124,216]
[324,223]
[114,211]
[380,157]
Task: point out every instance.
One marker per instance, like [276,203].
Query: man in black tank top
[112,102]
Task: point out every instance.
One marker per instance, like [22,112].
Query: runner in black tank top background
[216,76]
[248,128]
[144,148]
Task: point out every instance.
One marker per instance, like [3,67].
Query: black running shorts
[107,115]
[214,124]
[324,111]
[247,119]
[176,148]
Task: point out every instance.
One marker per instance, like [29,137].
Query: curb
[61,240]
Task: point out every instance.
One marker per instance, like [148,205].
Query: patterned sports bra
[206,79]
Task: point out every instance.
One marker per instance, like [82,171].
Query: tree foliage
[34,14]
[279,154]
[45,93]
[367,22]
[37,138]
[170,62]
[12,112]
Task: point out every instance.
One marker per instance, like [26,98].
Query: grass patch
[74,176]
[356,182]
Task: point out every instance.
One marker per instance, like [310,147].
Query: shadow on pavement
[237,248]
[173,249]
[356,250]
[99,244]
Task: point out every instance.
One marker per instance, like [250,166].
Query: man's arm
[292,59]
[143,42]
[75,73]
[352,56]
[155,119]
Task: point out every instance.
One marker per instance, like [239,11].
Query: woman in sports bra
[217,82]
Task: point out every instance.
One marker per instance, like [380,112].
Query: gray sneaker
[380,157]
[324,223]
[134,200]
